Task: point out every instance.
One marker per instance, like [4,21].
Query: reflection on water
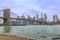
[34,30]
[6,29]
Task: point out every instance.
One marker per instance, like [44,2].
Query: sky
[32,7]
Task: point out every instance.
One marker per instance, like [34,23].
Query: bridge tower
[6,16]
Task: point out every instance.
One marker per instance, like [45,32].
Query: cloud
[32,7]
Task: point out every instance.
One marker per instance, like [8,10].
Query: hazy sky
[32,7]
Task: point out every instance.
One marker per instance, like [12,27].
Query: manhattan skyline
[32,7]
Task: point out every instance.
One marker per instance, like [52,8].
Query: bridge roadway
[22,19]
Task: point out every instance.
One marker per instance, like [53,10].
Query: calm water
[34,31]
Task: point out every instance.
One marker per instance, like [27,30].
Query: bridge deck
[2,17]
[26,19]
[21,19]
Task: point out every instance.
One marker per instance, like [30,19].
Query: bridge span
[6,17]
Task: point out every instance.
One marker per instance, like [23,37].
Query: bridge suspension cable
[13,14]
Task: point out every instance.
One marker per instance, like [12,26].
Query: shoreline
[27,25]
[13,37]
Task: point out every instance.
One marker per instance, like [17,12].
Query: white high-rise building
[44,17]
[55,18]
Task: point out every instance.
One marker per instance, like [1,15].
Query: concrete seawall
[12,37]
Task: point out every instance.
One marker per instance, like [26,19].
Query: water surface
[34,31]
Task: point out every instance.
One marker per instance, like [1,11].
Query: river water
[34,31]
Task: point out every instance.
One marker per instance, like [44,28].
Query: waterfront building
[23,21]
[41,15]
[18,21]
[18,17]
[23,17]
[29,18]
[55,18]
[41,19]
[45,18]
[13,22]
[36,17]
[33,19]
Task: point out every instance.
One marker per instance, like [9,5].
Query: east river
[34,31]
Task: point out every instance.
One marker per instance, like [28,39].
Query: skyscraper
[28,17]
[23,17]
[37,16]
[34,18]
[41,19]
[45,17]
[55,18]
[41,15]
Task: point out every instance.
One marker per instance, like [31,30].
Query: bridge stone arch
[6,13]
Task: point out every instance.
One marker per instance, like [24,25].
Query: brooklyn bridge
[7,19]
